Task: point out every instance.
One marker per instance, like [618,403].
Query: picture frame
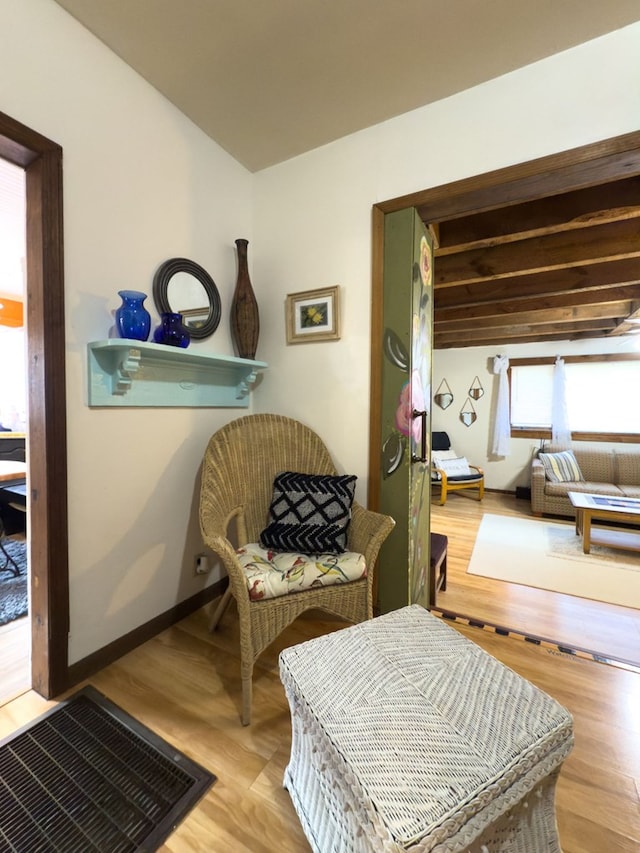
[313,316]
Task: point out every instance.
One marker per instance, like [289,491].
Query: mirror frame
[161,280]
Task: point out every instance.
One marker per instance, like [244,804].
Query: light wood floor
[576,622]
[185,685]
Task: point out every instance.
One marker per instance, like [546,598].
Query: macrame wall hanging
[443,395]
[476,391]
[468,414]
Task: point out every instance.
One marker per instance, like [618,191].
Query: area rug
[13,590]
[548,555]
[87,776]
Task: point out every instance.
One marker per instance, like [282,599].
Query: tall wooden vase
[245,319]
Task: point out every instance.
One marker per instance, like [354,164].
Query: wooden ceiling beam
[620,295]
[606,202]
[524,332]
[572,279]
[610,310]
[491,341]
[601,162]
[611,241]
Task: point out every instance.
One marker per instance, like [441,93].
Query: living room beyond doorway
[605,630]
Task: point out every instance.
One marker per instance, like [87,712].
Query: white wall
[141,184]
[313,213]
[460,366]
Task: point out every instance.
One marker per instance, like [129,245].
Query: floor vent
[87,777]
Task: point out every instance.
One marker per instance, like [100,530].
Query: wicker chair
[239,467]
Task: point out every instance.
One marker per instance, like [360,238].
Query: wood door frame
[607,160]
[47,442]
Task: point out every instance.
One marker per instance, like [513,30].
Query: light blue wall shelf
[134,373]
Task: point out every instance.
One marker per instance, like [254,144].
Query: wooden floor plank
[185,685]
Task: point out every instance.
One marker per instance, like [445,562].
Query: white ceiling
[271,79]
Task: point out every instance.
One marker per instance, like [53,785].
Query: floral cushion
[271,574]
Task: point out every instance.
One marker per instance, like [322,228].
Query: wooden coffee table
[591,508]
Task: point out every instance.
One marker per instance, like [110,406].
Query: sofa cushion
[584,486]
[597,465]
[630,491]
[627,468]
[561,467]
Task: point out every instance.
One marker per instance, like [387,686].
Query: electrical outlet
[201,564]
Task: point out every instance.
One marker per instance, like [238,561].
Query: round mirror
[184,287]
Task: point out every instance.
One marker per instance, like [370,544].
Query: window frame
[533,432]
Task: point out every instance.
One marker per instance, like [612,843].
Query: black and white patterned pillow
[309,513]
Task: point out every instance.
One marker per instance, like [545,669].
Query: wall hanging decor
[245,318]
[476,391]
[313,315]
[443,395]
[181,286]
[468,414]
[133,321]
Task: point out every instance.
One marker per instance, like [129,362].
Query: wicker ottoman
[408,736]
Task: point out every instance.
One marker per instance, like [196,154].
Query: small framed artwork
[313,315]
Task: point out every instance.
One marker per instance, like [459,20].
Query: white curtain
[560,432]
[502,429]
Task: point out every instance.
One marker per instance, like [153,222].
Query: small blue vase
[133,321]
[172,331]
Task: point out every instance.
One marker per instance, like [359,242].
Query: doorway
[610,160]
[41,160]
[15,640]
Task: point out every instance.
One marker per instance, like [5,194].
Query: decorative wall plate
[443,396]
[468,414]
[476,391]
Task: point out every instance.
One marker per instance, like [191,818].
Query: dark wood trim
[96,661]
[46,446]
[545,435]
[608,160]
[377,320]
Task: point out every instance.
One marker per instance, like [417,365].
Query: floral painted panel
[403,574]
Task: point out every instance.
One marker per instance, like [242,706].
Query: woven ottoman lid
[428,721]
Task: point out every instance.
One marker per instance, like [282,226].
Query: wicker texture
[240,463]
[407,736]
[605,472]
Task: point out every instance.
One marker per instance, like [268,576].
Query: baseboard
[97,660]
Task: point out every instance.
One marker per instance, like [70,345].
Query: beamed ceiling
[564,267]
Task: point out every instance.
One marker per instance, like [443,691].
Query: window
[601,397]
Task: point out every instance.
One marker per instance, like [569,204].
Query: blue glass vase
[133,321]
[172,331]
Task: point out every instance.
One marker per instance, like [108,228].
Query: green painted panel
[403,570]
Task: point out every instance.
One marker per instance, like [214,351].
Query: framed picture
[313,315]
